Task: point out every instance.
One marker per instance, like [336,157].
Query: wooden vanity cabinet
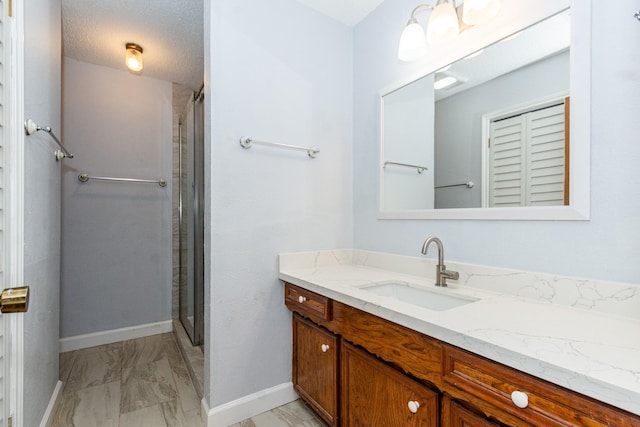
[370,357]
[376,395]
[315,367]
[541,403]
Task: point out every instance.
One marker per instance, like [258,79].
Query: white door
[11,235]
[4,389]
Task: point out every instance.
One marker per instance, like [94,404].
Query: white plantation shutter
[507,156]
[545,167]
[527,159]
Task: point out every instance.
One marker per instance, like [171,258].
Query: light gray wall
[458,130]
[603,247]
[278,72]
[42,57]
[116,265]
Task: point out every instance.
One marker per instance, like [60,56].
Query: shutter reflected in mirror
[528,158]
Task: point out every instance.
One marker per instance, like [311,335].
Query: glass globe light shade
[412,42]
[476,12]
[443,24]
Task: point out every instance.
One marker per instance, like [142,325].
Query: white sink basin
[419,296]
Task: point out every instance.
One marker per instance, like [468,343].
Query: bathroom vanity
[362,356]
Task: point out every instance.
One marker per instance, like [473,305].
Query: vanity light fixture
[413,41]
[133,57]
[476,12]
[443,24]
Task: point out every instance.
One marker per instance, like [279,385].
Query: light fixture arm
[428,6]
[420,7]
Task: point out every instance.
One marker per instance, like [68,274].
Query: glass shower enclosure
[191,219]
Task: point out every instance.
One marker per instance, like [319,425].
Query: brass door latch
[15,300]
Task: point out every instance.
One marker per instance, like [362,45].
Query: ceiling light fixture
[443,25]
[133,57]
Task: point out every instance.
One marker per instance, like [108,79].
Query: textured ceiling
[349,12]
[169,31]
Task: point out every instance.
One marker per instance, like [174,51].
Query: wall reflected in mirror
[490,130]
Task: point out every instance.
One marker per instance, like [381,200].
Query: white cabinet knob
[325,348]
[413,406]
[301,299]
[520,399]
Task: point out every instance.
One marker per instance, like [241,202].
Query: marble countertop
[591,352]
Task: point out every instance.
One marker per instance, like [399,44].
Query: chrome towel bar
[419,168]
[246,142]
[84,178]
[30,127]
[468,184]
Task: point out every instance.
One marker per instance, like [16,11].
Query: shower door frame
[196,333]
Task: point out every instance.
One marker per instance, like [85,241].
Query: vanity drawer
[307,302]
[546,403]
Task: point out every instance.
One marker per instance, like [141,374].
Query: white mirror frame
[515,16]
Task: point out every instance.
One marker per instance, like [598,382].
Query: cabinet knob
[520,399]
[413,406]
[301,299]
[325,348]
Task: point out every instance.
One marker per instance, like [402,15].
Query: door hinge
[10,422]
[488,142]
[10,12]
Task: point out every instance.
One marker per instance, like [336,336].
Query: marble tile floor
[193,356]
[145,383]
[135,383]
[294,414]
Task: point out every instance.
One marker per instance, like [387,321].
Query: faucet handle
[450,274]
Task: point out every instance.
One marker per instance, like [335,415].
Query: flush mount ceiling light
[133,57]
[443,25]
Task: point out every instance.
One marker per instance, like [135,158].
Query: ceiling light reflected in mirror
[444,82]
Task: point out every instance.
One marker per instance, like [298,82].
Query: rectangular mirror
[488,136]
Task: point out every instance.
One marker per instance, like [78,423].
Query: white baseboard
[107,337]
[248,406]
[47,418]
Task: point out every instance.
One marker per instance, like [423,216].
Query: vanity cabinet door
[315,367]
[376,395]
[456,415]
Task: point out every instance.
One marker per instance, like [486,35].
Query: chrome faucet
[442,274]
